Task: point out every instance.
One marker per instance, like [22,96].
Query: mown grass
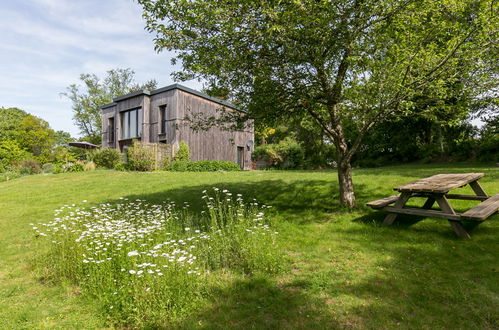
[342,268]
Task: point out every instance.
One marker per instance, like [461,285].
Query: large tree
[347,64]
[88,99]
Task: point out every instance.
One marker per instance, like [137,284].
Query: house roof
[167,88]
[83,144]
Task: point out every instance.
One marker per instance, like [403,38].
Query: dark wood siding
[215,143]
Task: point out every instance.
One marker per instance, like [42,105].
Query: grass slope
[343,268]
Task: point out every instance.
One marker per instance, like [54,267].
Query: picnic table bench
[436,189]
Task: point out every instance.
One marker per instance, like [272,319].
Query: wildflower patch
[150,261]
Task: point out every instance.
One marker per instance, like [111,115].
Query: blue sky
[46,44]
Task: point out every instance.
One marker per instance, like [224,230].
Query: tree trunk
[347,194]
[343,158]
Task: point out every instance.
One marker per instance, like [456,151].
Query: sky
[46,44]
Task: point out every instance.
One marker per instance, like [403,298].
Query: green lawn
[342,268]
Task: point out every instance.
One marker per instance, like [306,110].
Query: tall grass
[147,263]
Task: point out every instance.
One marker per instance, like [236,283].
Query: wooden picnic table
[436,189]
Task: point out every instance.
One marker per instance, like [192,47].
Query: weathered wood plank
[380,203]
[477,189]
[459,229]
[466,197]
[399,204]
[483,210]
[423,212]
[440,183]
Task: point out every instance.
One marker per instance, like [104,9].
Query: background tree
[10,119]
[35,135]
[95,92]
[343,63]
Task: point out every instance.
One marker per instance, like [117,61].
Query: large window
[131,124]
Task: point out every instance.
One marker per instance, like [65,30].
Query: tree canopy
[346,64]
[96,92]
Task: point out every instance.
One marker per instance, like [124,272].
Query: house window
[131,124]
[162,119]
[110,130]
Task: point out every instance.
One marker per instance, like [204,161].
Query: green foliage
[95,93]
[140,158]
[344,65]
[29,166]
[89,166]
[35,135]
[288,153]
[140,278]
[9,175]
[10,120]
[74,167]
[48,168]
[203,166]
[166,163]
[121,167]
[10,151]
[105,157]
[183,153]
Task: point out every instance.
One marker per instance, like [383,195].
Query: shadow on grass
[258,303]
[413,277]
[299,201]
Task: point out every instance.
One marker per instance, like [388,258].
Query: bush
[106,157]
[10,152]
[58,168]
[48,168]
[30,166]
[179,166]
[9,175]
[74,167]
[183,153]
[140,158]
[25,171]
[89,166]
[166,163]
[286,154]
[203,166]
[121,167]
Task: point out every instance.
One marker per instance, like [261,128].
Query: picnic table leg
[477,188]
[456,224]
[429,203]
[390,218]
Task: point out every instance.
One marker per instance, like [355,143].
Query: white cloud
[46,44]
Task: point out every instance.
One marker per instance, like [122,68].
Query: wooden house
[159,116]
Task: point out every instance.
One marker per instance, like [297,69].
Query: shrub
[166,163]
[106,157]
[121,167]
[203,166]
[58,168]
[74,167]
[25,171]
[291,152]
[140,158]
[48,168]
[179,166]
[183,153]
[10,152]
[286,154]
[89,166]
[9,175]
[30,164]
